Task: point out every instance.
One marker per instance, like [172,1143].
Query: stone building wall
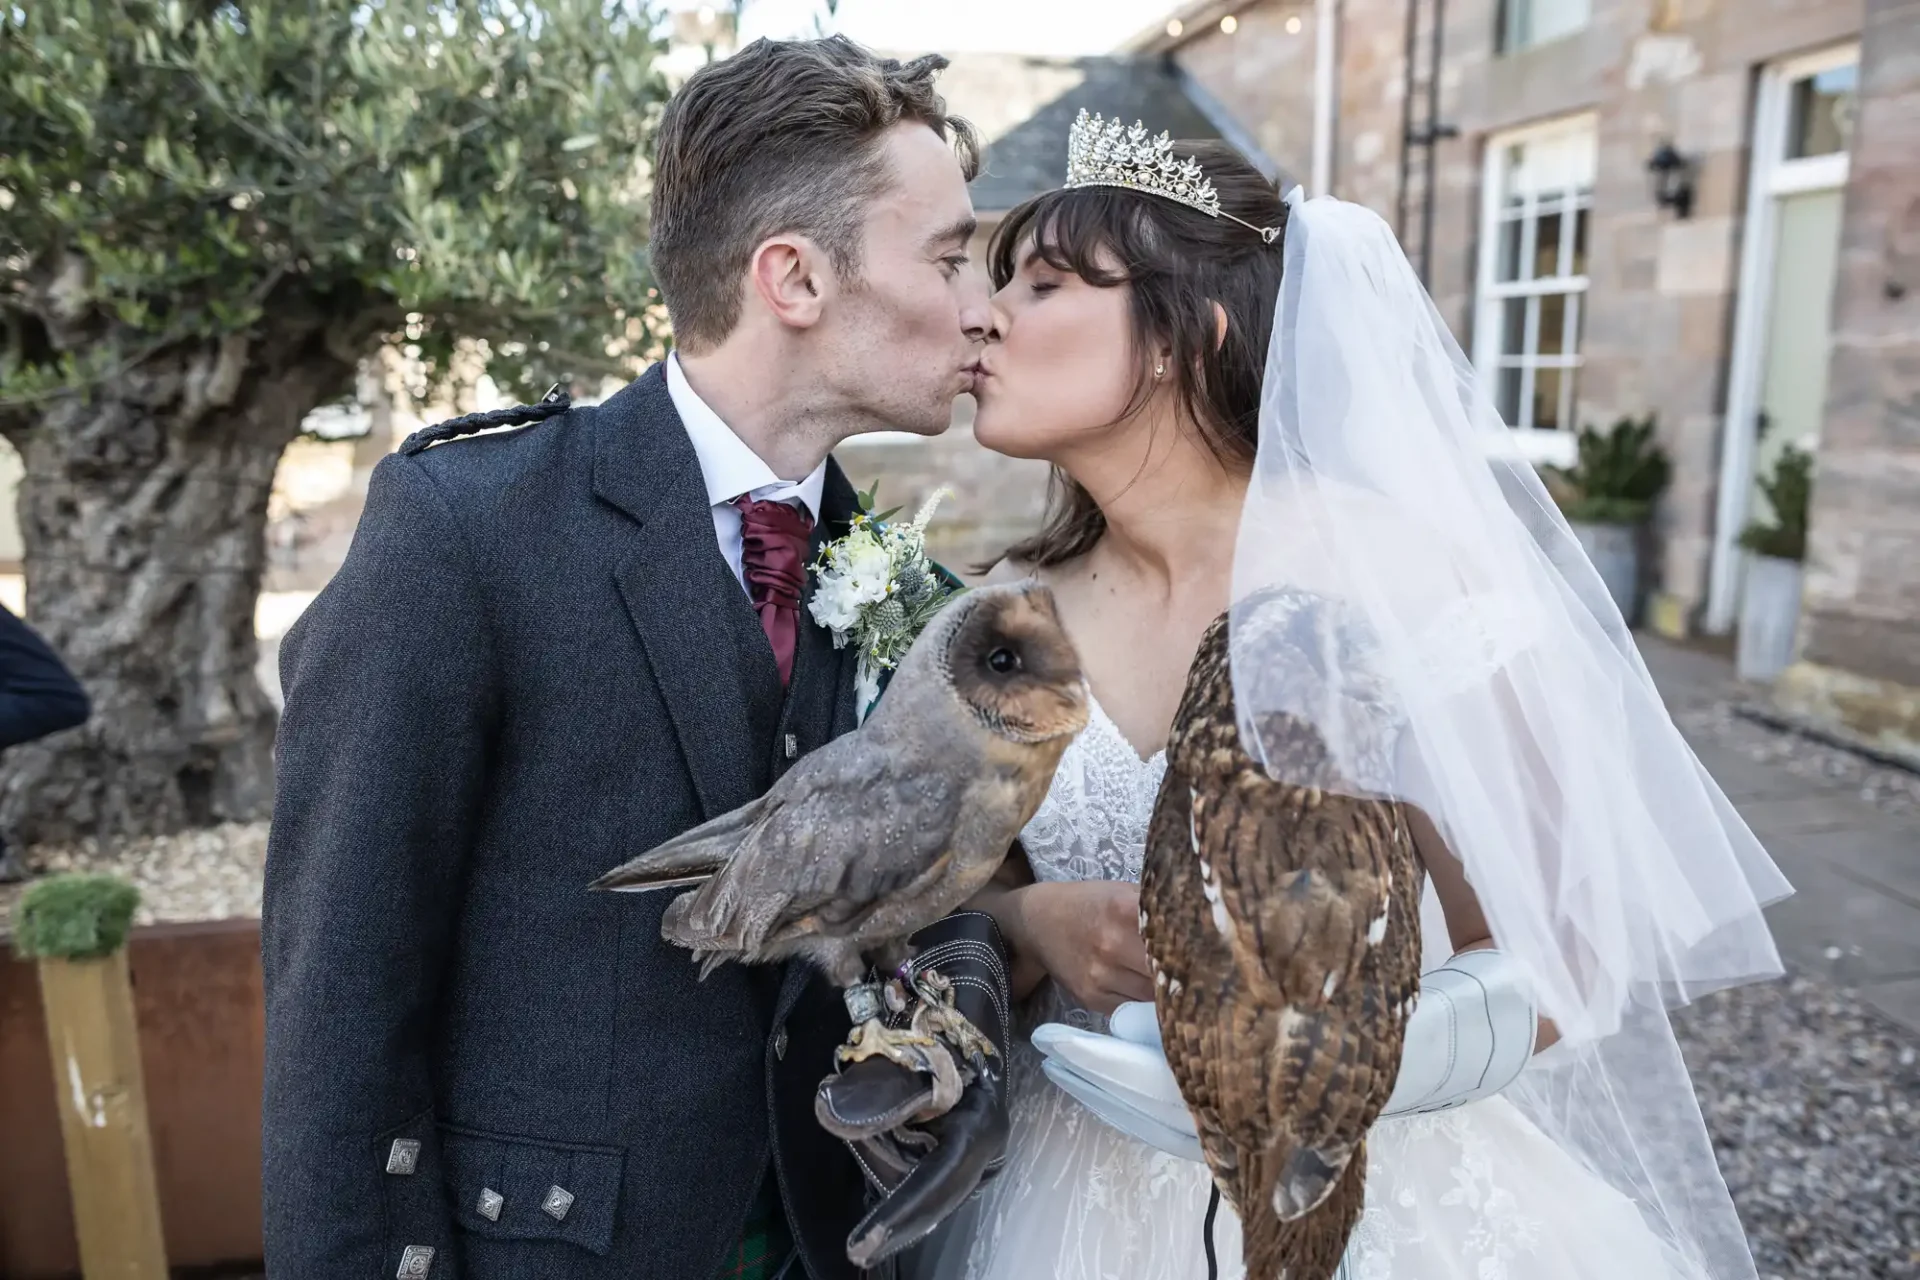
[1263,74]
[1660,329]
[996,501]
[1658,311]
[1860,623]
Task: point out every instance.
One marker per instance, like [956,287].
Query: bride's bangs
[1099,234]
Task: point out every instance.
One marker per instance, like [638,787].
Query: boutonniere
[876,589]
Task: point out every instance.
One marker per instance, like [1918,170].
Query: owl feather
[1281,918]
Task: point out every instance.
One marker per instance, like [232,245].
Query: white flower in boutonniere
[877,590]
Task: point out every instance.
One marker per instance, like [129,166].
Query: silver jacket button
[415,1261]
[403,1157]
[780,1045]
[491,1202]
[558,1201]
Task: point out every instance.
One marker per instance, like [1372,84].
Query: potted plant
[1607,495]
[1777,547]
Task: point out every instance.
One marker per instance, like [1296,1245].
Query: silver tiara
[1106,153]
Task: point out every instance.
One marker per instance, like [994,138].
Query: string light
[1229,24]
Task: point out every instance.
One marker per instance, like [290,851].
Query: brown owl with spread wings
[1282,920]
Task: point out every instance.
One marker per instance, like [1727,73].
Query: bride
[1544,1127]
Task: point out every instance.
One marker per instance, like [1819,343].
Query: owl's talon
[912,1049]
[937,1015]
[875,1039]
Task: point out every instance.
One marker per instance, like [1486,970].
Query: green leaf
[364,139]
[1617,478]
[1788,493]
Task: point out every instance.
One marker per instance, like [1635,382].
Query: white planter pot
[1615,552]
[1769,614]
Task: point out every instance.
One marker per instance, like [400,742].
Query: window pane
[1578,266]
[1513,327]
[1573,323]
[1524,23]
[1553,320]
[1506,395]
[1508,265]
[1555,18]
[1551,165]
[1546,399]
[1546,248]
[1821,123]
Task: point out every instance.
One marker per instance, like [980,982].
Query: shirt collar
[729,467]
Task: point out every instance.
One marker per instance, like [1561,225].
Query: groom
[553,648]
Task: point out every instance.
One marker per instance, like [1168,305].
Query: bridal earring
[1159,371]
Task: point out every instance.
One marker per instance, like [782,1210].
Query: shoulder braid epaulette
[553,403]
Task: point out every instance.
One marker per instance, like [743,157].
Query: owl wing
[1293,1002]
[1209,1026]
[1304,881]
[848,828]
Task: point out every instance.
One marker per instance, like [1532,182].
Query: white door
[1777,386]
[1793,376]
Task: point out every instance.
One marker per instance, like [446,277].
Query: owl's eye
[1003,661]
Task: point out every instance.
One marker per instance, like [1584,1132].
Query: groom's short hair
[784,136]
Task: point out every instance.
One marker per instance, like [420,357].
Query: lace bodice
[1093,823]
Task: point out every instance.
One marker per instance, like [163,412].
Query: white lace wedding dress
[1476,1193]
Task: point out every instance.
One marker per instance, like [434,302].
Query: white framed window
[1537,202]
[1526,23]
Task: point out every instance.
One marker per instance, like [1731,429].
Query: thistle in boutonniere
[878,590]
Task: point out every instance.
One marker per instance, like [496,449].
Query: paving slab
[1899,1000]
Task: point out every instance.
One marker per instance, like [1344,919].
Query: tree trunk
[143,518]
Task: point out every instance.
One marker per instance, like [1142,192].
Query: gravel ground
[213,874]
[1813,1103]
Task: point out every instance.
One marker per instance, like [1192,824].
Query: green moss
[74,917]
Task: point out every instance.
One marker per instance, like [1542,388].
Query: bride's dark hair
[1176,263]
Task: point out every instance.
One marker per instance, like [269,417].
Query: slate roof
[1023,107]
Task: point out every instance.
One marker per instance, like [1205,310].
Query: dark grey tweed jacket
[533,665]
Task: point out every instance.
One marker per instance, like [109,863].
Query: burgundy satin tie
[773,552]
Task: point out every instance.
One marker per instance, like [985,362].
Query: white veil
[1519,716]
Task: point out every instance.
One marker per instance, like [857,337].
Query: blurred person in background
[38,696]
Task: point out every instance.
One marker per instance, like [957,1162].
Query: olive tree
[210,214]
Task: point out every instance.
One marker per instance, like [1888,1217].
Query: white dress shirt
[730,469]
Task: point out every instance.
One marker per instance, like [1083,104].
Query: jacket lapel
[682,598]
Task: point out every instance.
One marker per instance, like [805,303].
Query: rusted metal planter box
[196,990]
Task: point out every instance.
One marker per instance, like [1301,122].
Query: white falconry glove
[1469,1037]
